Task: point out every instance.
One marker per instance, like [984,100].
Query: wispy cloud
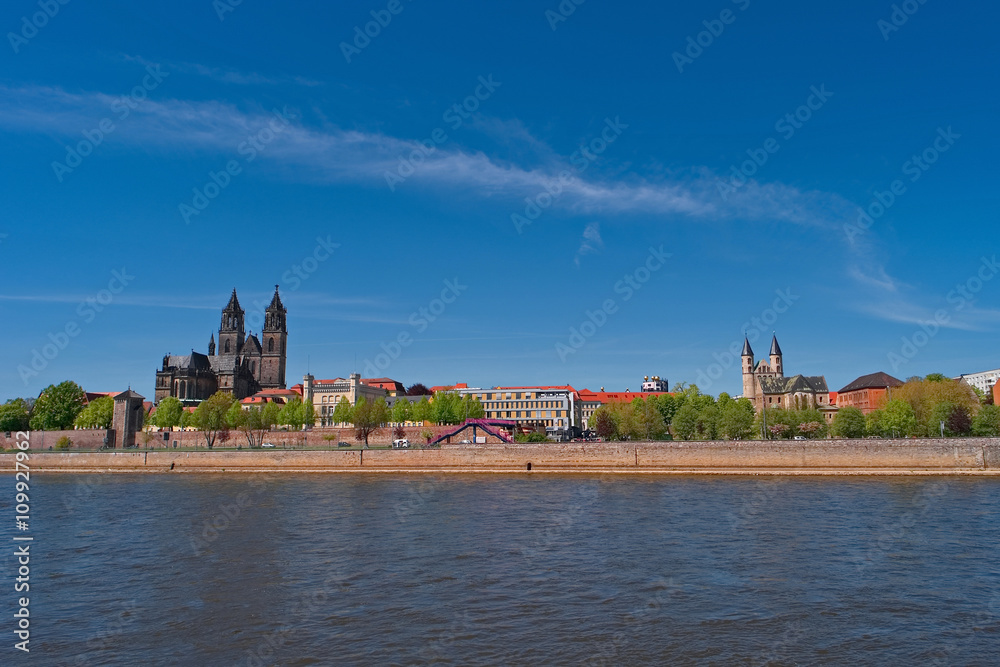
[331,154]
[225,74]
[591,243]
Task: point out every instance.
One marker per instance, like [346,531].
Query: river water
[512,570]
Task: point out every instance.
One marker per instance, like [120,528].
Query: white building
[982,381]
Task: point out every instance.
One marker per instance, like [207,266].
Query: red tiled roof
[449,387]
[93,395]
[618,396]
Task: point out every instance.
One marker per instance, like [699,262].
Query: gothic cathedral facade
[240,364]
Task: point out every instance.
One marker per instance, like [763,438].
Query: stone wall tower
[273,345]
[776,358]
[749,380]
[127,418]
[231,333]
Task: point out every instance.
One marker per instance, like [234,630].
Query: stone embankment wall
[88,439]
[957,456]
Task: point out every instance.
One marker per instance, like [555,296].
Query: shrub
[64,443]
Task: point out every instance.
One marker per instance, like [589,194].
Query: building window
[270,345]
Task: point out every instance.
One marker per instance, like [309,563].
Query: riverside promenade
[969,456]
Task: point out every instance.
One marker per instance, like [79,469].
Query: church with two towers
[240,364]
[766,386]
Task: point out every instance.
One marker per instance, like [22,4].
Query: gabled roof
[800,384]
[129,394]
[387,384]
[223,363]
[878,380]
[193,361]
[89,396]
[251,346]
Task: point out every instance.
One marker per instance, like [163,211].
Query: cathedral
[242,365]
[765,383]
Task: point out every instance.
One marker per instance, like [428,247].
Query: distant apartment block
[984,381]
[551,407]
[655,384]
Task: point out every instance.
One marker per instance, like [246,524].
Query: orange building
[868,393]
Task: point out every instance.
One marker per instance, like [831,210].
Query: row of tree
[687,414]
[922,408]
[55,409]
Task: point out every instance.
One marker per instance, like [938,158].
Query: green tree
[308,414]
[446,408]
[57,407]
[987,422]
[291,414]
[233,414]
[97,414]
[849,423]
[669,404]
[685,422]
[168,413]
[708,421]
[369,418]
[211,415]
[421,411]
[15,415]
[736,420]
[650,420]
[471,408]
[937,377]
[401,411]
[255,422]
[875,423]
[185,419]
[899,419]
[343,413]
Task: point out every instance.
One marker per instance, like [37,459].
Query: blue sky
[638,147]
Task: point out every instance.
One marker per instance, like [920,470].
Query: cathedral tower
[231,330]
[749,381]
[273,344]
[776,358]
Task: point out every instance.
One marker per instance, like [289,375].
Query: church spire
[274,316]
[775,348]
[747,350]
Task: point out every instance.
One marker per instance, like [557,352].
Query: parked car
[800,437]
[343,444]
[402,443]
[267,444]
